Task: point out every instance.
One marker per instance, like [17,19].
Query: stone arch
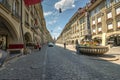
[28,37]
[72,41]
[114,39]
[114,34]
[8,33]
[7,28]
[76,41]
[36,39]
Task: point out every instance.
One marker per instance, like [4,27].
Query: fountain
[91,47]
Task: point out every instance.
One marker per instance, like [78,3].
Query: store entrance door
[117,40]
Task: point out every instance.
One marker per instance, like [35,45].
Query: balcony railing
[35,27]
[118,29]
[99,32]
[99,23]
[109,19]
[110,30]
[94,33]
[5,4]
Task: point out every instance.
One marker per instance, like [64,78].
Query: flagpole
[24,45]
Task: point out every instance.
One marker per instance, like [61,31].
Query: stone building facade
[105,21]
[21,24]
[99,20]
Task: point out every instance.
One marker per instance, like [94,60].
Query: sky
[55,21]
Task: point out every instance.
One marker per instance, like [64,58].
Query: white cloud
[65,4]
[52,22]
[55,35]
[56,31]
[48,13]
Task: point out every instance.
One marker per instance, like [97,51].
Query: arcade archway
[114,39]
[28,37]
[7,33]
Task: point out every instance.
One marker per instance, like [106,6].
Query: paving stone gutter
[12,57]
[5,56]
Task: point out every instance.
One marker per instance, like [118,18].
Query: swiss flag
[31,2]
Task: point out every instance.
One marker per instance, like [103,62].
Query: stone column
[104,39]
[114,19]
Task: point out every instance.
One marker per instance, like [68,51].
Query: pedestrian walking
[38,46]
[77,47]
[1,44]
[64,45]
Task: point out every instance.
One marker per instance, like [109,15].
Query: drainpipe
[21,24]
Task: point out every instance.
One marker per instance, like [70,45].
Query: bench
[15,48]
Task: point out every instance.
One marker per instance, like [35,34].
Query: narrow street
[57,63]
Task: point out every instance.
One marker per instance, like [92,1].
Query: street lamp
[60,10]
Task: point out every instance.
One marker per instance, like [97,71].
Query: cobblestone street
[56,63]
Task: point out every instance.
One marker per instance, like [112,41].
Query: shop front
[114,40]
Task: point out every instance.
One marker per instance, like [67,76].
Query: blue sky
[55,21]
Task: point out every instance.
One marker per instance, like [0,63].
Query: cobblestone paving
[55,63]
[65,66]
[28,67]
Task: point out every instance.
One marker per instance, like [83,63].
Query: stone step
[114,49]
